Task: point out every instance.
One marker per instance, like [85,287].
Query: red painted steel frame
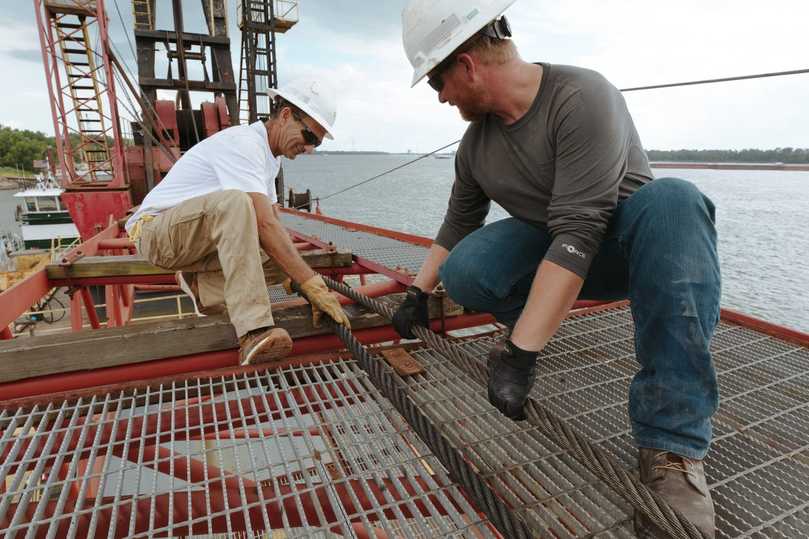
[369,265]
[787,334]
[401,236]
[184,365]
[19,298]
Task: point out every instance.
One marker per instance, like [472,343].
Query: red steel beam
[115,243]
[89,306]
[182,365]
[374,267]
[92,246]
[401,236]
[791,335]
[19,298]
[6,334]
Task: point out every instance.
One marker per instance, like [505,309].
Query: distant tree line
[778,155]
[19,148]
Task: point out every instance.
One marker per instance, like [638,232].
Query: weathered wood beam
[126,265]
[137,343]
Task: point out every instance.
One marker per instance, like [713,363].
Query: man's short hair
[490,50]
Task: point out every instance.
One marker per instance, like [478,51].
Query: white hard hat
[432,29]
[315,98]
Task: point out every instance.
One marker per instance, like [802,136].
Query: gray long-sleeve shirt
[565,165]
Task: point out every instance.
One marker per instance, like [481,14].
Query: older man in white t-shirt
[212,217]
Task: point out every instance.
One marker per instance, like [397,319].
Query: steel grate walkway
[309,450]
[315,450]
[758,468]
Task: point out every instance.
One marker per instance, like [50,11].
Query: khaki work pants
[215,237]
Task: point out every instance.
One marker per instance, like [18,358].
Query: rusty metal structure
[78,72]
[153,430]
[259,22]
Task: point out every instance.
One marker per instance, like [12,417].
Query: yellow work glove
[322,300]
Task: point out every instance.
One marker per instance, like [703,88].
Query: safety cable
[595,459]
[394,169]
[713,81]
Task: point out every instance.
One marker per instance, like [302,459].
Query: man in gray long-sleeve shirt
[556,147]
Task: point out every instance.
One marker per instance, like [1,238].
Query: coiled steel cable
[596,460]
[395,390]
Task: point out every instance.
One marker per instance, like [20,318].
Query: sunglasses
[309,136]
[436,80]
[497,29]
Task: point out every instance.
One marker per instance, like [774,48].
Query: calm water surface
[762,218]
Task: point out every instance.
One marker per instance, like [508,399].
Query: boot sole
[270,348]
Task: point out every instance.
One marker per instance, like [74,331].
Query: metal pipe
[92,315]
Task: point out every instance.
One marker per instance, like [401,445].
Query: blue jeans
[660,252]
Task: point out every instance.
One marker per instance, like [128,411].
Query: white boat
[43,220]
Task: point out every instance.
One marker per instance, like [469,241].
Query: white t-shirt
[238,157]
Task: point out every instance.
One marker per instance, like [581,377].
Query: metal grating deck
[316,451]
[322,433]
[308,450]
[758,468]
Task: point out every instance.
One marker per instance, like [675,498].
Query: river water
[762,219]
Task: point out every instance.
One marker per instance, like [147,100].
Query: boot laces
[673,465]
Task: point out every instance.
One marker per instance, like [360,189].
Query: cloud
[357,45]
[27,55]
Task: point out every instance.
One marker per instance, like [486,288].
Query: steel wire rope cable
[631,89]
[714,81]
[160,126]
[397,392]
[596,460]
[394,169]
[133,112]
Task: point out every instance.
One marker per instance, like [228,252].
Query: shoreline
[731,166]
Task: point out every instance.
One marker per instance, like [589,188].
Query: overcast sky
[357,45]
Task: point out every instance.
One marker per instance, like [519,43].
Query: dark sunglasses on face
[309,136]
[436,80]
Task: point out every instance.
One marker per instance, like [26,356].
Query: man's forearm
[427,277]
[553,293]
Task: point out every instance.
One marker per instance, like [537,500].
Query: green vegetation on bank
[19,148]
[11,171]
[778,155]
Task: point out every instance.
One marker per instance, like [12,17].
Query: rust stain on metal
[402,362]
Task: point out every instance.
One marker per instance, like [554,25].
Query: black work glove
[412,311]
[512,373]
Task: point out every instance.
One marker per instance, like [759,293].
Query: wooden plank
[109,347]
[126,265]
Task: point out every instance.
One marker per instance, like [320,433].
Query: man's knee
[234,200]
[680,197]
[463,277]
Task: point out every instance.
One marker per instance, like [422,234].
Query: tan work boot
[264,344]
[188,283]
[679,481]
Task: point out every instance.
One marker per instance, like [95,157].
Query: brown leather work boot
[187,281]
[679,481]
[264,344]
